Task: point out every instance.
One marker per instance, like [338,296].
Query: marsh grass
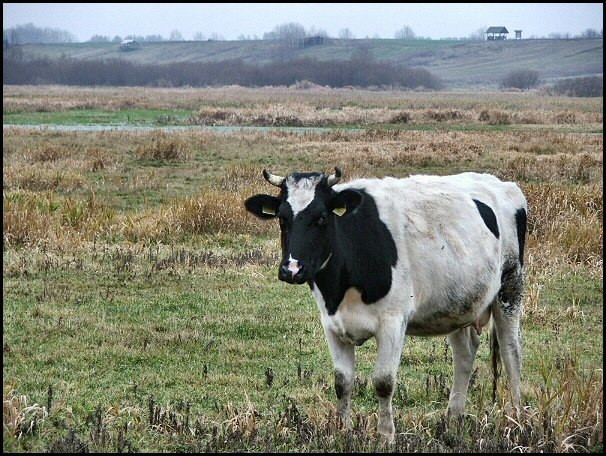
[142,310]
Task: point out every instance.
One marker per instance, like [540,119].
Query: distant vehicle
[129,45]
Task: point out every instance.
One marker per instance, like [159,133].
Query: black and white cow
[424,256]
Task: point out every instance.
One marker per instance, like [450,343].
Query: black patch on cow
[512,287]
[488,216]
[363,252]
[521,228]
[340,384]
[383,386]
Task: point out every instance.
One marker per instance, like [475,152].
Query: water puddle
[226,129]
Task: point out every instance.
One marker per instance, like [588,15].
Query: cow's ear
[263,206]
[345,202]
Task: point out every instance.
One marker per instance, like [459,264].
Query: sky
[230,20]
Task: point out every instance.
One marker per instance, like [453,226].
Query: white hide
[441,242]
[301,192]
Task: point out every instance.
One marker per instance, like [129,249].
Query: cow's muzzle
[292,271]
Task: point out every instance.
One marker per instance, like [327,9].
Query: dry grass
[582,168]
[546,161]
[47,153]
[296,114]
[31,218]
[164,147]
[28,98]
[41,178]
[313,106]
[565,224]
[19,416]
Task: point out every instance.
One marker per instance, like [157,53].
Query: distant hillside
[456,63]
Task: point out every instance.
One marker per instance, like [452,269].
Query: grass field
[142,310]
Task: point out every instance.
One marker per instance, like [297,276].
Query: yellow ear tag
[268,210]
[339,211]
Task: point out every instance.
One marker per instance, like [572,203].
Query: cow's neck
[363,253]
[332,281]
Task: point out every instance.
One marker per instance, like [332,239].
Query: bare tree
[153,38]
[175,35]
[405,33]
[559,36]
[317,32]
[99,39]
[291,34]
[345,34]
[199,36]
[29,33]
[214,36]
[590,33]
[479,34]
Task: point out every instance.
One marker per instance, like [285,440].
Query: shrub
[442,115]
[304,73]
[400,117]
[591,86]
[495,117]
[521,79]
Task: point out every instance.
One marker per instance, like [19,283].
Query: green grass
[136,117]
[113,333]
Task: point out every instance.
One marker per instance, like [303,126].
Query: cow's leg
[464,344]
[390,340]
[344,361]
[507,328]
[507,312]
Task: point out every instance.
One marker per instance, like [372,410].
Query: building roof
[497,30]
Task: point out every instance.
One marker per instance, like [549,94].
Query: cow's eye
[321,220]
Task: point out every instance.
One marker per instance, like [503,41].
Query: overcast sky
[230,20]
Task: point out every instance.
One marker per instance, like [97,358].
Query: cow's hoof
[345,422]
[386,432]
[455,410]
[385,440]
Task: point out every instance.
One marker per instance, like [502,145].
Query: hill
[457,63]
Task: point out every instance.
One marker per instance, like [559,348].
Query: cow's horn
[336,177]
[273,179]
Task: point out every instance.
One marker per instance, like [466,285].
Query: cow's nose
[284,272]
[289,273]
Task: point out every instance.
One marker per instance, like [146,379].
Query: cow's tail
[495,358]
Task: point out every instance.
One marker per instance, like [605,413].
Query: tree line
[29,33]
[290,32]
[360,70]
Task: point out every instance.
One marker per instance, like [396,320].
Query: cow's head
[309,210]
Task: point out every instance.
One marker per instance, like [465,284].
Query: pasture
[141,305]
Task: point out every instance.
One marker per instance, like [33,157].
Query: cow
[421,256]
